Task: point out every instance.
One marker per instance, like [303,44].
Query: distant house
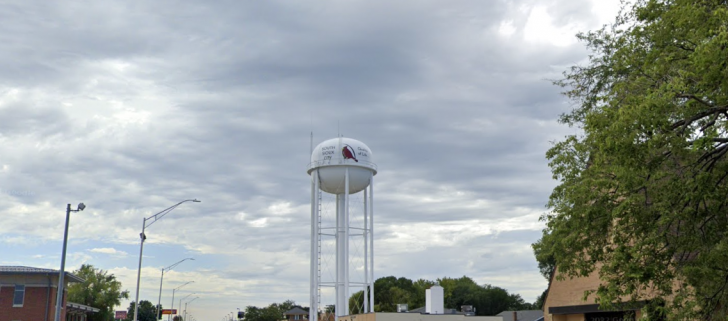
[28,293]
[296,313]
[522,315]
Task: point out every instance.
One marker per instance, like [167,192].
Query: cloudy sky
[133,106]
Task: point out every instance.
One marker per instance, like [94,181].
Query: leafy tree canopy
[147,311]
[99,290]
[487,299]
[273,312]
[642,190]
[538,305]
[390,291]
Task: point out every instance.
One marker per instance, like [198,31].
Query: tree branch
[699,115]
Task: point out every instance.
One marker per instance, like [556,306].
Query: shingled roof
[523,315]
[296,310]
[32,270]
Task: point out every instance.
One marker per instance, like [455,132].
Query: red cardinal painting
[348,153]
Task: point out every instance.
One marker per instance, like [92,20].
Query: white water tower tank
[334,156]
[334,163]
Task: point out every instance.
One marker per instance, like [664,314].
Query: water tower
[342,167]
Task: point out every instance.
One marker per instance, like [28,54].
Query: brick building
[565,301]
[29,294]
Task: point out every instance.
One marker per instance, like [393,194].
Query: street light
[143,236]
[159,302]
[185,317]
[59,293]
[180,300]
[169,316]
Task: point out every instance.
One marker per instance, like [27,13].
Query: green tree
[491,300]
[487,299]
[417,297]
[273,312]
[642,191]
[542,249]
[100,290]
[458,292]
[538,305]
[390,291]
[356,302]
[544,256]
[518,303]
[253,313]
[147,311]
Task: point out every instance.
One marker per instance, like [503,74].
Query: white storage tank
[435,300]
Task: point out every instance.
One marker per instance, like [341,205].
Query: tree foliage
[356,302]
[544,256]
[100,290]
[147,311]
[538,305]
[273,312]
[487,299]
[390,291]
[642,192]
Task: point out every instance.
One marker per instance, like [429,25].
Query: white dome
[333,157]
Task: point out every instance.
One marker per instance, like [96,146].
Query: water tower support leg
[371,243]
[339,253]
[365,306]
[313,310]
[346,243]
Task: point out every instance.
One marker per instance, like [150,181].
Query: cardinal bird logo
[348,153]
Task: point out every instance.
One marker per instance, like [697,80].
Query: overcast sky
[133,106]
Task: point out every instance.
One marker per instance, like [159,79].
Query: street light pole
[170,315]
[143,236]
[185,317]
[180,301]
[159,301]
[59,292]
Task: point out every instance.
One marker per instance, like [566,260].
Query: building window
[19,296]
[296,317]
